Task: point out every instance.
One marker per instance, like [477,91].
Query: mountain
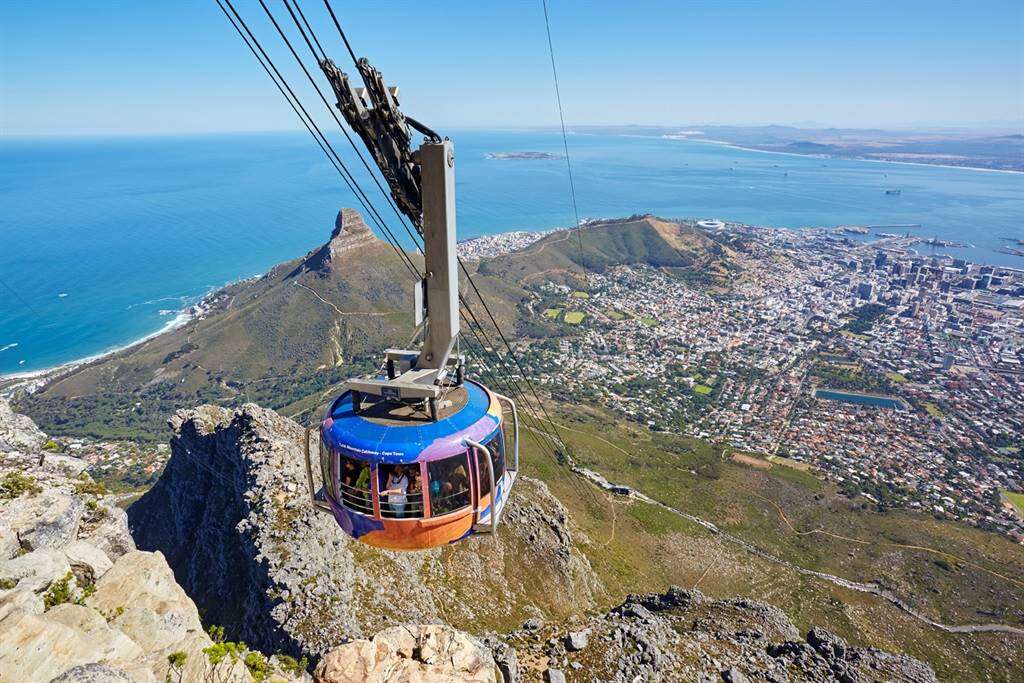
[276,339]
[79,603]
[231,515]
[939,591]
[287,339]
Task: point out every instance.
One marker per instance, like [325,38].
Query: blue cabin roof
[407,443]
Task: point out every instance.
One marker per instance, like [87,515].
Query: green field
[701,389]
[1017,499]
[615,315]
[580,295]
[933,410]
[650,322]
[574,317]
[552,313]
[896,377]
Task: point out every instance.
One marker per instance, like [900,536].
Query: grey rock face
[47,520]
[93,673]
[682,635]
[577,640]
[230,512]
[18,432]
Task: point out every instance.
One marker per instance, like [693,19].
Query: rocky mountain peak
[350,232]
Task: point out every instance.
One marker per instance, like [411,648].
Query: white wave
[62,295]
[9,346]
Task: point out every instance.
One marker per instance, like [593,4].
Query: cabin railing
[515,429]
[482,452]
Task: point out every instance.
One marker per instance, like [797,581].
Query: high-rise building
[865,290]
[880,259]
[947,362]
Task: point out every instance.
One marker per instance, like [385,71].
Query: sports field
[574,317]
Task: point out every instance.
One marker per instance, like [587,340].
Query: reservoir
[861,399]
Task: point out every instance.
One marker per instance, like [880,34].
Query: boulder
[826,644]
[20,599]
[34,648]
[35,571]
[18,432]
[114,644]
[152,632]
[66,465]
[111,535]
[554,676]
[9,545]
[577,640]
[420,653]
[88,563]
[93,673]
[46,520]
[143,581]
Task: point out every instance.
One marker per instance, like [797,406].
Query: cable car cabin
[395,478]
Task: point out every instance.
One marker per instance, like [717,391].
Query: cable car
[417,456]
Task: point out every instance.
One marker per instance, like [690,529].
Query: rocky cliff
[78,602]
[684,636]
[231,515]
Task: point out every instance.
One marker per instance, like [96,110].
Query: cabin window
[449,484]
[401,491]
[496,449]
[354,485]
[327,470]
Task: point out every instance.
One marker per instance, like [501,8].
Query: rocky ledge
[78,602]
[682,635]
[232,516]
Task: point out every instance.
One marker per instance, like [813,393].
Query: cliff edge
[232,516]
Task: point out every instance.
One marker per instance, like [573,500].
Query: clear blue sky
[90,67]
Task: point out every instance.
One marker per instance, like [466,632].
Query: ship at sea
[895,193]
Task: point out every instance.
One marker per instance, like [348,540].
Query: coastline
[181,318]
[732,145]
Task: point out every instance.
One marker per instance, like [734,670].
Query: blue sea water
[104,241]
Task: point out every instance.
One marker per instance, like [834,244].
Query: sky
[85,67]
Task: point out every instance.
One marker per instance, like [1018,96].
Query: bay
[105,240]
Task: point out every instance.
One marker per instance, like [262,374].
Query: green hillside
[306,325]
[288,339]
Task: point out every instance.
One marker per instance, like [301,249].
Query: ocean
[104,241]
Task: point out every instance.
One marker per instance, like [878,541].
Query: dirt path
[858,541]
[338,310]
